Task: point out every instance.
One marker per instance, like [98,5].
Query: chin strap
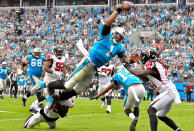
[114,41]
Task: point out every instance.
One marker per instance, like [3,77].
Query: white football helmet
[118,31]
[4,64]
[36,52]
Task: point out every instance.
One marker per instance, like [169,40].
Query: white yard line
[87,115]
[7,111]
[67,116]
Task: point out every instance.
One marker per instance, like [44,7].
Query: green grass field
[88,116]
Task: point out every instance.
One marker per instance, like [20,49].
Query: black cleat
[133,124]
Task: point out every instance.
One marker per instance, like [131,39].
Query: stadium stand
[169,27]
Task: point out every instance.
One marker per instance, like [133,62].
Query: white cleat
[103,104]
[108,110]
[34,106]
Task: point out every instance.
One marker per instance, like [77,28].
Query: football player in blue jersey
[109,46]
[35,62]
[4,72]
[134,93]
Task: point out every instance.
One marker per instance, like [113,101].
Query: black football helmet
[148,54]
[58,51]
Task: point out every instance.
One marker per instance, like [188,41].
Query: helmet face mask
[118,34]
[148,54]
[36,52]
[58,51]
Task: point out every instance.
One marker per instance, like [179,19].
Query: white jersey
[51,111]
[105,73]
[160,80]
[57,66]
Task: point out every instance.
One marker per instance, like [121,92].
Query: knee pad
[56,84]
[151,111]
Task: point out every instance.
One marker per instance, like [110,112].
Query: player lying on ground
[157,74]
[134,93]
[50,113]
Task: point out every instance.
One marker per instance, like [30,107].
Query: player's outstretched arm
[110,86]
[125,5]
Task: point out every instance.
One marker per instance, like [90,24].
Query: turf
[88,116]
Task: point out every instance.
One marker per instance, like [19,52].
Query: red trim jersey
[105,74]
[57,66]
[161,79]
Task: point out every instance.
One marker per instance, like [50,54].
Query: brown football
[126,5]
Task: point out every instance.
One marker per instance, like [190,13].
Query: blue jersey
[4,72]
[35,65]
[126,79]
[27,81]
[21,81]
[104,50]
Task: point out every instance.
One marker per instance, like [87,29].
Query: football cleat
[103,104]
[108,110]
[133,124]
[35,106]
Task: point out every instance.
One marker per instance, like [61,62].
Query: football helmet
[36,52]
[120,33]
[4,64]
[148,54]
[58,51]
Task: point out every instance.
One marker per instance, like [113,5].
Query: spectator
[188,90]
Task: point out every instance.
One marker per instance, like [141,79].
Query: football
[134,58]
[126,5]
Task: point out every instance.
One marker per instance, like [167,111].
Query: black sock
[153,118]
[102,99]
[41,98]
[108,99]
[66,94]
[136,111]
[127,112]
[169,122]
[24,101]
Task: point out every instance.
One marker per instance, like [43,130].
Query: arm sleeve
[121,55]
[105,30]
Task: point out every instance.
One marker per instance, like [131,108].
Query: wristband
[119,10]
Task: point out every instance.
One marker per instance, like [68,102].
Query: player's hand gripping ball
[126,5]
[134,58]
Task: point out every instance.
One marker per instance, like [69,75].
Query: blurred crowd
[46,28]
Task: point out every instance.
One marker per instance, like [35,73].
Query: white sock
[132,116]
